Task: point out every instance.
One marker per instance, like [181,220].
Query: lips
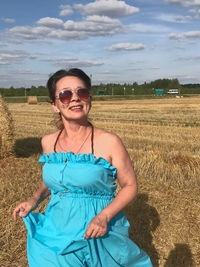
[76,107]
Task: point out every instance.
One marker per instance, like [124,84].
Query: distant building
[173,91]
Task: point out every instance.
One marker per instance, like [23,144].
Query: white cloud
[66,10]
[191,34]
[14,57]
[15,42]
[95,25]
[4,77]
[166,17]
[110,8]
[151,28]
[184,78]
[192,11]
[186,58]
[8,20]
[25,72]
[67,35]
[180,18]
[185,2]
[135,69]
[56,28]
[125,47]
[17,82]
[195,13]
[179,48]
[50,22]
[175,36]
[173,18]
[73,62]
[27,32]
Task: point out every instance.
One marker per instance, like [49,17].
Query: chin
[76,117]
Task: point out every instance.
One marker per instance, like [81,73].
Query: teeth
[77,107]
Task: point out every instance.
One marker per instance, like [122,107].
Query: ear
[54,107]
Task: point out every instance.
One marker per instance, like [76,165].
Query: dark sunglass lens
[83,93]
[65,96]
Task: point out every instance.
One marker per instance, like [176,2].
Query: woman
[83,224]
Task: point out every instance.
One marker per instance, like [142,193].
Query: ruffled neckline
[62,157]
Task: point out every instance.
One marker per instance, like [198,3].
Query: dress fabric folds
[81,186]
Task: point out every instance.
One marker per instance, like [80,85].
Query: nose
[75,96]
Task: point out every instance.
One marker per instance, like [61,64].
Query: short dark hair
[54,78]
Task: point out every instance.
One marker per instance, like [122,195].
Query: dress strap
[92,139]
[57,140]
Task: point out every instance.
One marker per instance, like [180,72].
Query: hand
[97,227]
[24,208]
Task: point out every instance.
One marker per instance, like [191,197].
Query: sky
[113,41]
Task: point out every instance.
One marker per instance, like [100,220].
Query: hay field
[162,137]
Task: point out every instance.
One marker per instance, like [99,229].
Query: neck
[74,128]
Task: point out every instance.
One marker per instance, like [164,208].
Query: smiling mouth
[76,107]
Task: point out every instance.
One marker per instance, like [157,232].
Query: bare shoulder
[48,142]
[103,136]
[111,145]
[108,142]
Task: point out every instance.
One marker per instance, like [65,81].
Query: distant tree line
[191,88]
[191,85]
[114,88]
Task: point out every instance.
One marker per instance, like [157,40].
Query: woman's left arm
[128,183]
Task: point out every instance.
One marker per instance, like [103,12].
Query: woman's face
[76,108]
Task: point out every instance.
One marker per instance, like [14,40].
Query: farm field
[162,138]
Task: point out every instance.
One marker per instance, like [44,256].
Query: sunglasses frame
[70,96]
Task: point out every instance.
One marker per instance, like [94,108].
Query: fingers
[21,210]
[97,227]
[17,211]
[97,233]
[23,213]
[88,233]
[94,232]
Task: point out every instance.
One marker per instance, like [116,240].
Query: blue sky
[114,41]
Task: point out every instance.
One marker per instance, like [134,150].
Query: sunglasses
[65,96]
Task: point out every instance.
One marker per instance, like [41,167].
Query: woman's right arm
[25,207]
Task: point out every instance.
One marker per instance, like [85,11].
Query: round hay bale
[32,100]
[6,130]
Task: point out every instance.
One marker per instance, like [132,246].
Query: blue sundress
[81,186]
